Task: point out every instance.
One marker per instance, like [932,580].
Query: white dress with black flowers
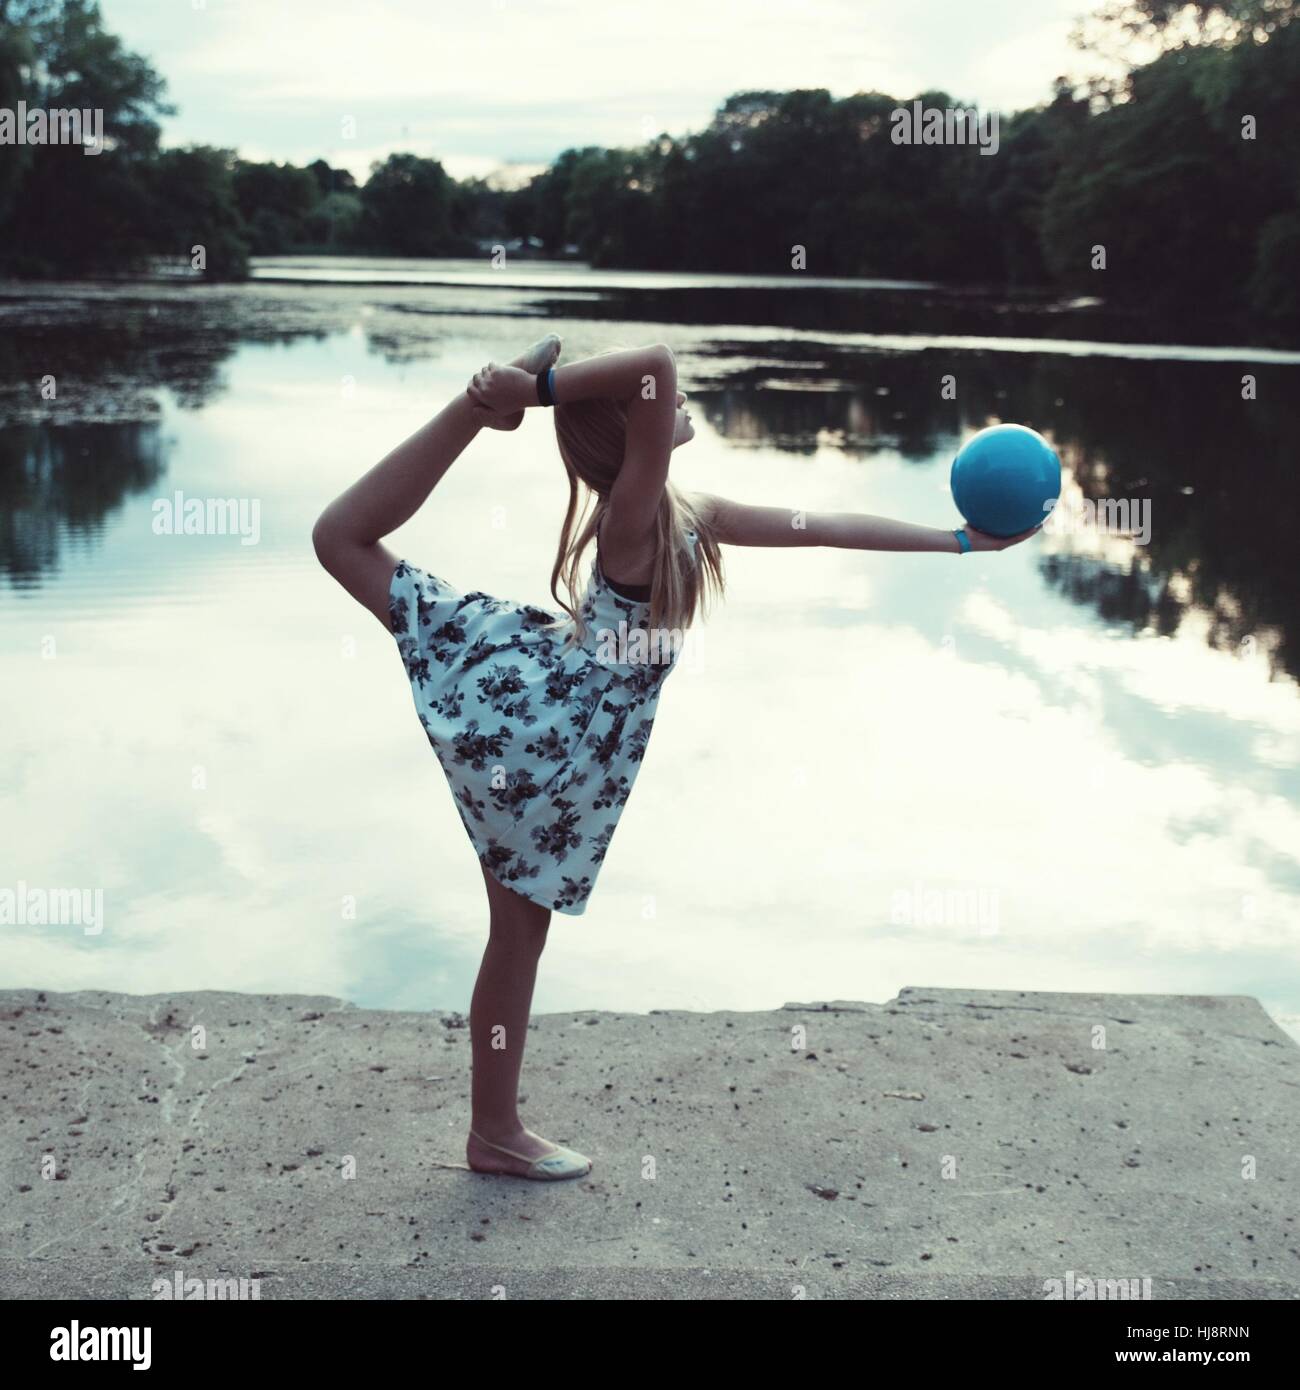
[540,741]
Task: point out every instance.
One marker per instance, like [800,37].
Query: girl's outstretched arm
[738,523]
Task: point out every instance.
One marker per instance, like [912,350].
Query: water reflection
[1213,469]
[1178,437]
[1060,726]
[58,486]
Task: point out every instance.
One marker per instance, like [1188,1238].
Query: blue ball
[1004,479]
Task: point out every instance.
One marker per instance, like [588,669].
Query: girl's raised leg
[348,532]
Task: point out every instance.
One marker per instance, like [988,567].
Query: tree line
[1182,172]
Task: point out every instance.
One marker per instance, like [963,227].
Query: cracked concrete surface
[946,1144]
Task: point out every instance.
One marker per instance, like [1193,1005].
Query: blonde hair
[591,435]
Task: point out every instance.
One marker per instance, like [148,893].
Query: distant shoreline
[867,316]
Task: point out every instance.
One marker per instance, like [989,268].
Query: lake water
[1071,766]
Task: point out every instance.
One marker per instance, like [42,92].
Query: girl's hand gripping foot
[501,394]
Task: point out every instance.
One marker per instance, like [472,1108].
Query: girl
[539,720]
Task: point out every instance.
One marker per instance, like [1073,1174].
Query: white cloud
[507,79]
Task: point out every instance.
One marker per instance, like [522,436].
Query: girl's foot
[525,1155]
[544,353]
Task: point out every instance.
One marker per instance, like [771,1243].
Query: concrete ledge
[945,1144]
[116,1280]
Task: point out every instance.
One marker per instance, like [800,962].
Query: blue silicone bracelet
[963,540]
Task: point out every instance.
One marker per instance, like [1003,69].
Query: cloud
[510,80]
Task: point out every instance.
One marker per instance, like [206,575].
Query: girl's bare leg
[347,538]
[498,1024]
[348,532]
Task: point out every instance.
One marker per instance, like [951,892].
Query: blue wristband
[963,540]
[546,387]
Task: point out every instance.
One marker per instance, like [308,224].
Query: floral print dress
[541,739]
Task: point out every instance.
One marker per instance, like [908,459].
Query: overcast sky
[482,83]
